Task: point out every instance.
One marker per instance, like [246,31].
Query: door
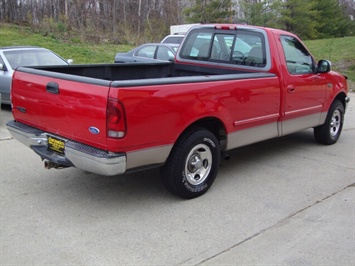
[304,89]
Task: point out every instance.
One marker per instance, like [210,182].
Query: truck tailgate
[70,108]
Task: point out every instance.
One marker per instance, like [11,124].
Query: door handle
[291,89]
[52,87]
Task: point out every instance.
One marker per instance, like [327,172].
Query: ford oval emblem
[94,130]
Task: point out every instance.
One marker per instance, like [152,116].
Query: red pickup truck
[230,86]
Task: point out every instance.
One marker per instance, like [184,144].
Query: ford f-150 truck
[229,86]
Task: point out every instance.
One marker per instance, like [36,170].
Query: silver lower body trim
[252,135]
[304,122]
[272,130]
[151,156]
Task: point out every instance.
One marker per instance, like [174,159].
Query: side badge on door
[94,130]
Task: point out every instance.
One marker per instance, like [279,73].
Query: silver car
[148,53]
[13,56]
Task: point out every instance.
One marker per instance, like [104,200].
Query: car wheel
[193,164]
[330,131]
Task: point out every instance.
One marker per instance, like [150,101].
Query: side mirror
[70,61]
[171,58]
[323,66]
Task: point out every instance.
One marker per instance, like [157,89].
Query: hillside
[67,47]
[340,51]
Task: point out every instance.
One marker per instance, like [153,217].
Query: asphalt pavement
[286,201]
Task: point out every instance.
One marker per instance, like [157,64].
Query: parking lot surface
[287,201]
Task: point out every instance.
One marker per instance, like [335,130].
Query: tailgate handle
[52,87]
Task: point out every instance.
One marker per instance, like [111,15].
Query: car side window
[298,59]
[164,53]
[147,52]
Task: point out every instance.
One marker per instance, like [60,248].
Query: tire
[193,164]
[330,131]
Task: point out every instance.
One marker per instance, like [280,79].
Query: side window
[147,51]
[164,53]
[298,60]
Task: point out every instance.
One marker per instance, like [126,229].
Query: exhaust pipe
[49,164]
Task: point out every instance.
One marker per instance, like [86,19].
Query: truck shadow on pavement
[145,185]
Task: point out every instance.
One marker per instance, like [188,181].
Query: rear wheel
[193,164]
[330,131]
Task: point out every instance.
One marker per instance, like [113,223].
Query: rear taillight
[116,121]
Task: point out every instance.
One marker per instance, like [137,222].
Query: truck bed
[119,72]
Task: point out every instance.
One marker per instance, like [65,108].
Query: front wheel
[330,131]
[192,165]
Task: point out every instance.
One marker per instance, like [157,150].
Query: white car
[13,56]
[175,38]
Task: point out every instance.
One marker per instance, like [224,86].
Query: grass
[340,51]
[73,48]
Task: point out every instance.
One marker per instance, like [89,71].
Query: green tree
[334,22]
[262,13]
[210,11]
[301,17]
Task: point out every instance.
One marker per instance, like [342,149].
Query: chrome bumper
[76,154]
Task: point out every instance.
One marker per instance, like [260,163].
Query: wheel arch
[341,97]
[212,124]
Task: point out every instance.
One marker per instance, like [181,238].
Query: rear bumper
[76,154]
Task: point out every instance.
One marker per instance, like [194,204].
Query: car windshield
[32,57]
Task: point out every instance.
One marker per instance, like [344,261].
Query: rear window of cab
[238,47]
